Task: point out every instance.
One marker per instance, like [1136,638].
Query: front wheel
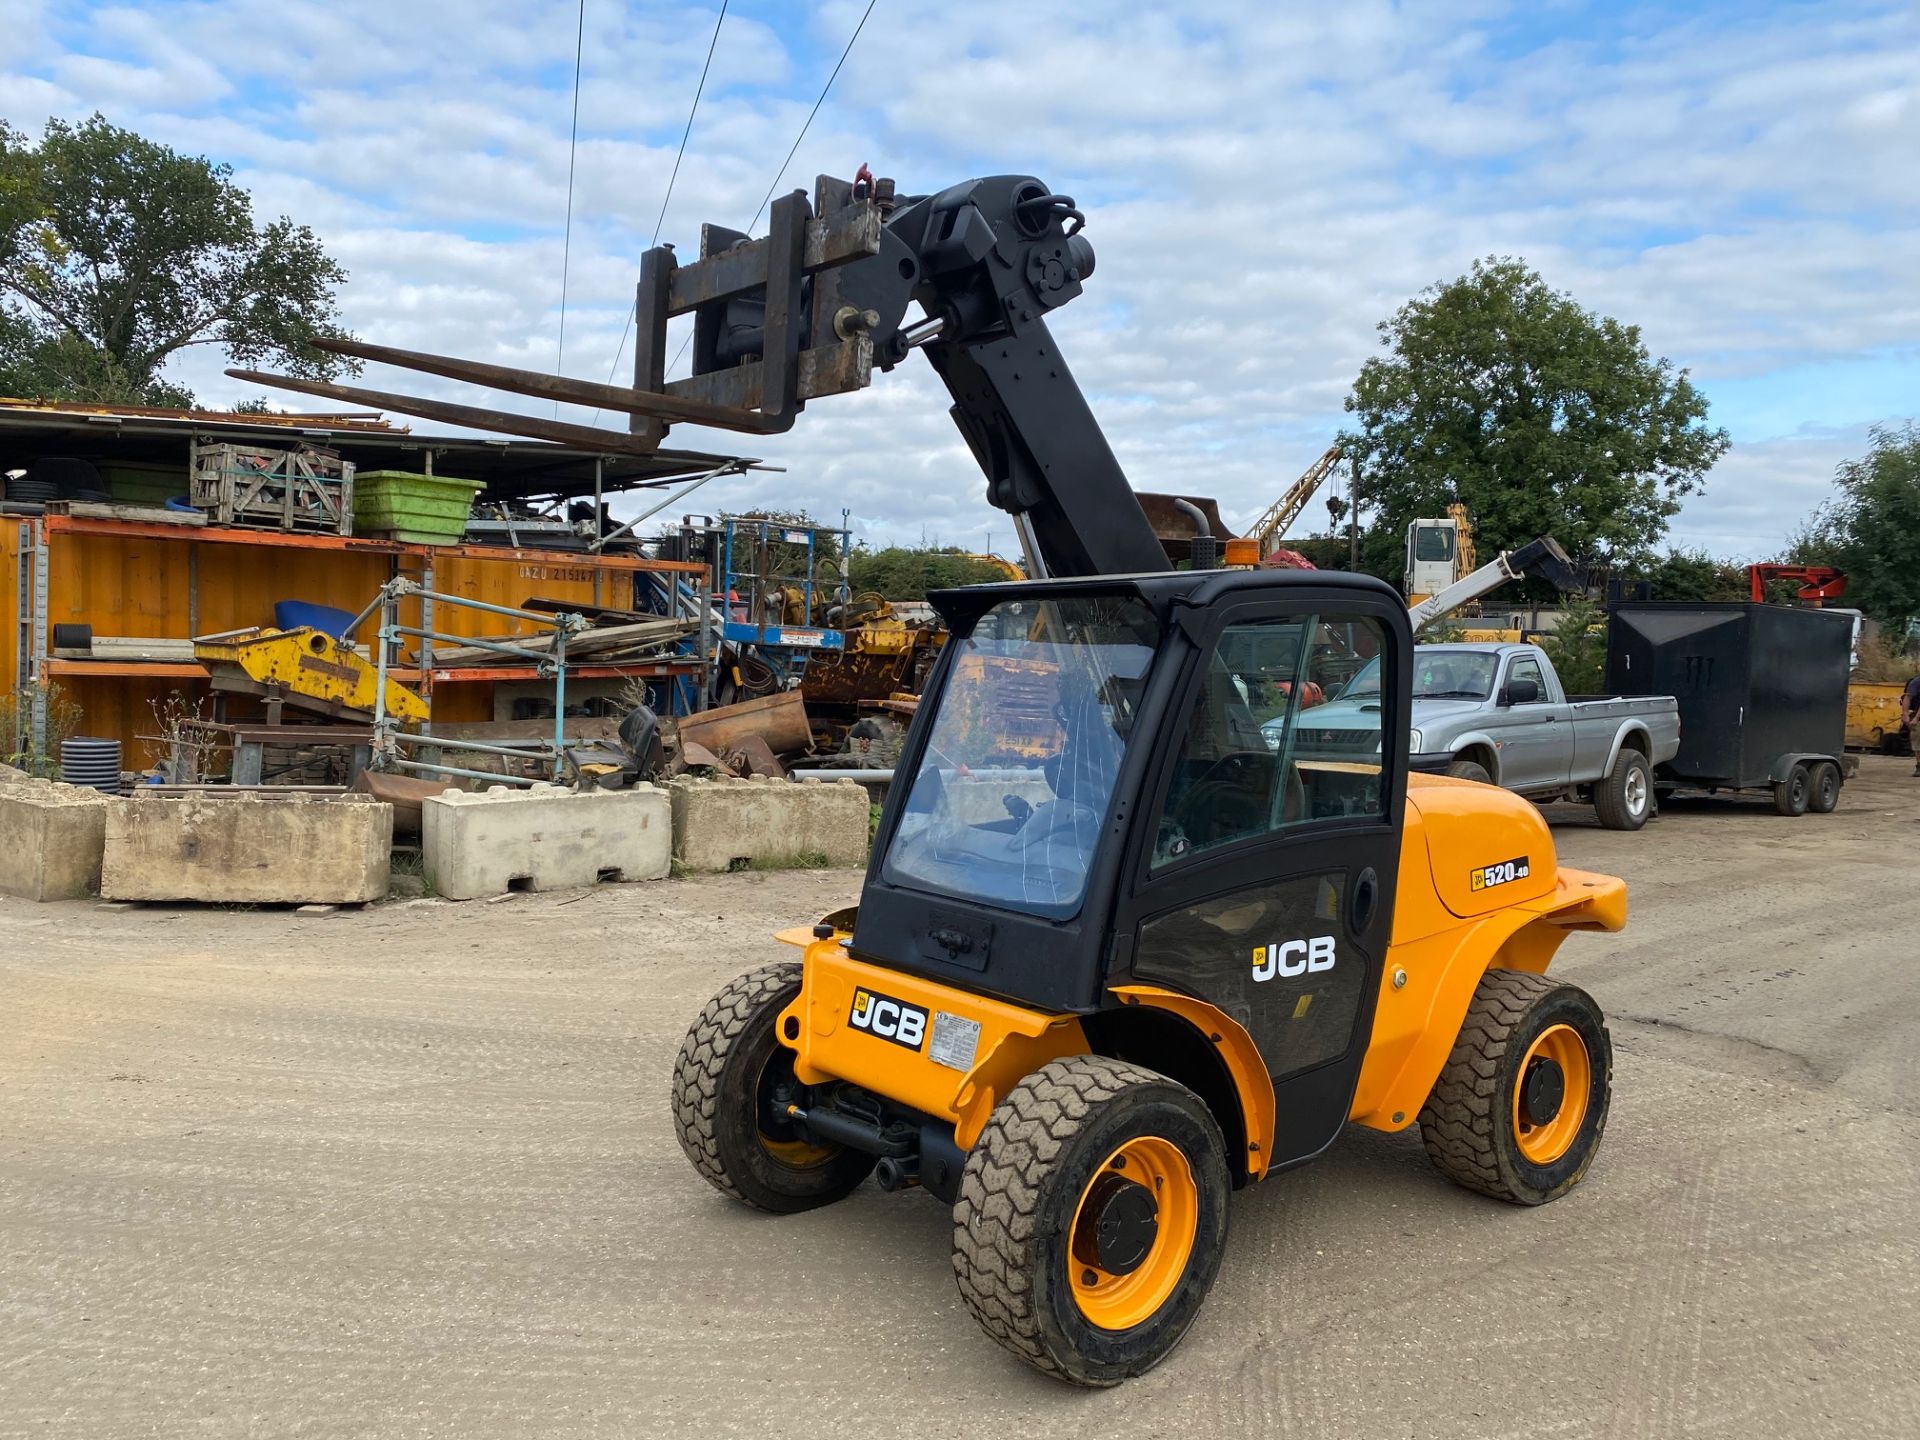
[1624,800]
[1792,795]
[729,1069]
[1519,1109]
[1469,770]
[1092,1217]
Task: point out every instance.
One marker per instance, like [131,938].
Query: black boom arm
[816,305]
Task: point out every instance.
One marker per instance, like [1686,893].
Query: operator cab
[1122,782]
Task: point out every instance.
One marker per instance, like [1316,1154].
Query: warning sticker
[955,1041]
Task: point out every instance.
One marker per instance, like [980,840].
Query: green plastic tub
[419,509]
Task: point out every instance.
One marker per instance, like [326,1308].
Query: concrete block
[543,838]
[51,838]
[743,824]
[248,849]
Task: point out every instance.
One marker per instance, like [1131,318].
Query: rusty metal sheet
[751,755]
[780,719]
[824,370]
[851,676]
[852,233]
[1175,530]
[786,241]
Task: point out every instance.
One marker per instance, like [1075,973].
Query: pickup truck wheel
[1468,770]
[1624,800]
[1792,795]
[1825,797]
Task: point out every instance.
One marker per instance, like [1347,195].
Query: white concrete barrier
[544,838]
[743,824]
[51,838]
[246,849]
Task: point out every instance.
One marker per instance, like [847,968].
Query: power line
[573,142]
[813,112]
[698,90]
[792,151]
[661,220]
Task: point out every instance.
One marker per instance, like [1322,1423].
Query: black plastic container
[1761,687]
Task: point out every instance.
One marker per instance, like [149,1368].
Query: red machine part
[1818,583]
[1281,558]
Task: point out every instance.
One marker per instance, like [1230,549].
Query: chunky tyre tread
[1458,1122]
[997,1215]
[703,1054]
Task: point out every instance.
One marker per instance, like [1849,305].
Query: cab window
[1527,668]
[1278,735]
[1433,543]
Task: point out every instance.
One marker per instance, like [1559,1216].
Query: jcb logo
[1293,957]
[890,1019]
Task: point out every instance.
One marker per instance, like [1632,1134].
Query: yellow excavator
[1085,997]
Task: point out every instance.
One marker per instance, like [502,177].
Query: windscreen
[1437,675]
[1453,674]
[1012,790]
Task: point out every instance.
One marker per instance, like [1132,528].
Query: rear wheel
[1092,1217]
[1520,1107]
[1792,795]
[1624,800]
[724,1082]
[1469,770]
[1824,798]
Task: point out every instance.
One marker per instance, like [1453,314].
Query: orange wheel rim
[1544,1139]
[790,1150]
[1111,1300]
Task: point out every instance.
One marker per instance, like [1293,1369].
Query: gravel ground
[410,1171]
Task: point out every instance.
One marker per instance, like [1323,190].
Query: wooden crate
[303,490]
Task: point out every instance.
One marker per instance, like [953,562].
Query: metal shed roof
[511,469]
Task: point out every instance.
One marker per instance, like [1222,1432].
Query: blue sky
[1265,182]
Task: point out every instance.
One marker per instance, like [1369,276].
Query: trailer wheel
[1624,800]
[1092,1217]
[1824,798]
[1519,1108]
[1792,795]
[1469,770]
[728,1067]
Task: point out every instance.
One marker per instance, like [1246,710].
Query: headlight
[1414,741]
[1272,737]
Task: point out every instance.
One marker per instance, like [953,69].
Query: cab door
[1264,884]
[1536,745]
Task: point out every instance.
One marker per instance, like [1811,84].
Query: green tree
[1873,530]
[117,253]
[1692,575]
[1542,417]
[900,573]
[1578,646]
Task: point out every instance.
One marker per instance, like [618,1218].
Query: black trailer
[1762,692]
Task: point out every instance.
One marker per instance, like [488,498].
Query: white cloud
[1264,183]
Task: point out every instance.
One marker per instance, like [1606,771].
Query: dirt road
[410,1172]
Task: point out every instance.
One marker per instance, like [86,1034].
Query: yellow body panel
[1447,932]
[1250,1078]
[1013,1041]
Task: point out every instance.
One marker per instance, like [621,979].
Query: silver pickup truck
[1499,714]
